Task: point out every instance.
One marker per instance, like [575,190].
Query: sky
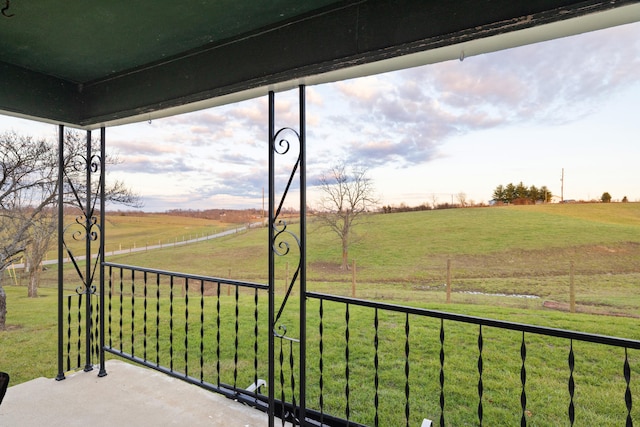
[564,109]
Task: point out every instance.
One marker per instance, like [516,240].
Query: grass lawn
[496,256]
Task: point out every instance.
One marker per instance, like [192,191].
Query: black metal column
[77,189]
[88,216]
[101,307]
[271,224]
[303,254]
[283,242]
[60,375]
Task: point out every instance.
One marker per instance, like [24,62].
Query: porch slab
[128,396]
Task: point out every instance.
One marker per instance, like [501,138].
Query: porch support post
[279,144]
[272,380]
[303,256]
[101,309]
[88,366]
[60,375]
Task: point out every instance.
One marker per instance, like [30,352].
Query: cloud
[139,147]
[403,118]
[143,164]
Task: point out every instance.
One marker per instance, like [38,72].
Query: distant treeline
[232,216]
[226,215]
[521,194]
[422,207]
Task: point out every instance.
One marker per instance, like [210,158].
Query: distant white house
[556,199]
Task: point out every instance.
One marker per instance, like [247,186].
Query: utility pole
[562,186]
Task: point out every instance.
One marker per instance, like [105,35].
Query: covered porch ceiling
[107,63]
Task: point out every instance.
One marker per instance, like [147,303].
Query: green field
[403,257]
[496,254]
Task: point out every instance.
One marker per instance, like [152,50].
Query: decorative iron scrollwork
[287,145]
[7,5]
[283,237]
[86,226]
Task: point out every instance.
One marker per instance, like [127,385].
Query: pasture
[498,256]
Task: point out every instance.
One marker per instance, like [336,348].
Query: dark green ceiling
[82,41]
[89,62]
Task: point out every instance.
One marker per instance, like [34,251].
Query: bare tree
[434,201]
[347,195]
[42,231]
[28,197]
[462,199]
[27,187]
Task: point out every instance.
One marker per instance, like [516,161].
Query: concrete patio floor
[128,396]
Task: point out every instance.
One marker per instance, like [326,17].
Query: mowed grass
[600,384]
[132,230]
[402,258]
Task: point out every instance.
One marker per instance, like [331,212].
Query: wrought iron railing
[401,364]
[368,363]
[204,330]
[76,327]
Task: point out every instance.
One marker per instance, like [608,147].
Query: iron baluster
[157,319]
[480,368]
[96,331]
[523,380]
[68,333]
[79,337]
[121,308]
[347,409]
[186,327]
[627,394]
[93,326]
[201,330]
[144,317]
[442,373]
[171,323]
[376,378]
[255,344]
[406,369]
[235,343]
[133,312]
[282,391]
[293,383]
[218,335]
[571,384]
[321,361]
[110,305]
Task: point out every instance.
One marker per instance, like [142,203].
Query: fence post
[353,279]
[448,280]
[229,286]
[572,288]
